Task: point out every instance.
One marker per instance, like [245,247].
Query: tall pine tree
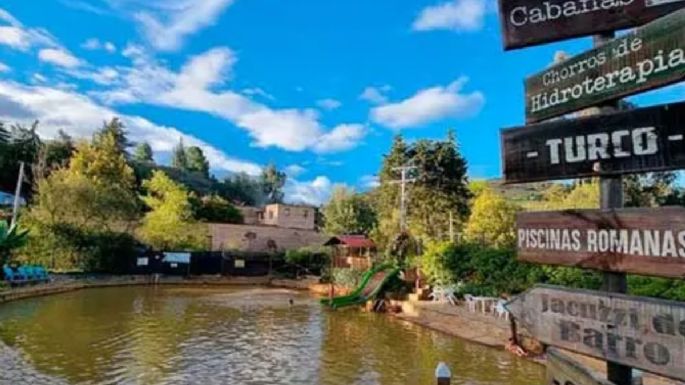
[179,159]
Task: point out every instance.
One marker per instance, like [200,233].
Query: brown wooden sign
[644,333]
[563,370]
[646,139]
[650,57]
[530,22]
[641,241]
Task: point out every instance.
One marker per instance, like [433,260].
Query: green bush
[346,277]
[66,247]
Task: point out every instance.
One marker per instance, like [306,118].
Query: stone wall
[259,238]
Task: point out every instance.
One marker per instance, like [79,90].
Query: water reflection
[145,335]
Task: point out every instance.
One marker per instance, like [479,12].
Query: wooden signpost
[641,241]
[563,370]
[530,22]
[641,140]
[644,333]
[650,57]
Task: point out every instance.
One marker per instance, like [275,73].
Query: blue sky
[317,87]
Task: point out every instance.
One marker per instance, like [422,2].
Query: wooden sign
[530,22]
[644,333]
[641,241]
[641,140]
[650,57]
[563,370]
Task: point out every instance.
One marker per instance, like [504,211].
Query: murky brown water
[145,335]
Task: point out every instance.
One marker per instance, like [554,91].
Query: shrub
[346,277]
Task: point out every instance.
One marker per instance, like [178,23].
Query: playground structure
[370,286]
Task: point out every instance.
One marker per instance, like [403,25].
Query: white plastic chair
[437,294]
[500,310]
[470,302]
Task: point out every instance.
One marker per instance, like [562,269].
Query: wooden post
[611,197]
[443,375]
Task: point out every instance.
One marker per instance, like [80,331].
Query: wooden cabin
[352,251]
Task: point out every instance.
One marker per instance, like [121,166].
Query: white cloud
[369,181]
[341,137]
[375,95]
[59,57]
[256,91]
[80,116]
[294,170]
[165,24]
[4,67]
[193,89]
[328,104]
[94,44]
[430,105]
[455,15]
[16,36]
[314,192]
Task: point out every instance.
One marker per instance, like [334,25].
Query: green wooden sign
[650,57]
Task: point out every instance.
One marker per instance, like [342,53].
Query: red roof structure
[360,241]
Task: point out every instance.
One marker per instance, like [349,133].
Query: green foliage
[112,131]
[666,288]
[143,153]
[348,213]
[213,208]
[81,215]
[179,159]
[483,270]
[196,161]
[20,144]
[102,162]
[242,188]
[347,277]
[11,238]
[492,220]
[311,258]
[67,247]
[651,190]
[580,195]
[170,224]
[272,181]
[440,188]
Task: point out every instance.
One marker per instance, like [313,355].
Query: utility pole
[404,171]
[17,194]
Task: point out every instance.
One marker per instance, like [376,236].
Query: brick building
[275,227]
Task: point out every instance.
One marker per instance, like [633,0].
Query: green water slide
[371,284]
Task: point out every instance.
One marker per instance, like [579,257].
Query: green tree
[113,129]
[651,189]
[386,196]
[242,188]
[81,214]
[213,208]
[196,161]
[170,225]
[348,213]
[103,162]
[438,195]
[179,158]
[21,144]
[492,220]
[143,153]
[272,181]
